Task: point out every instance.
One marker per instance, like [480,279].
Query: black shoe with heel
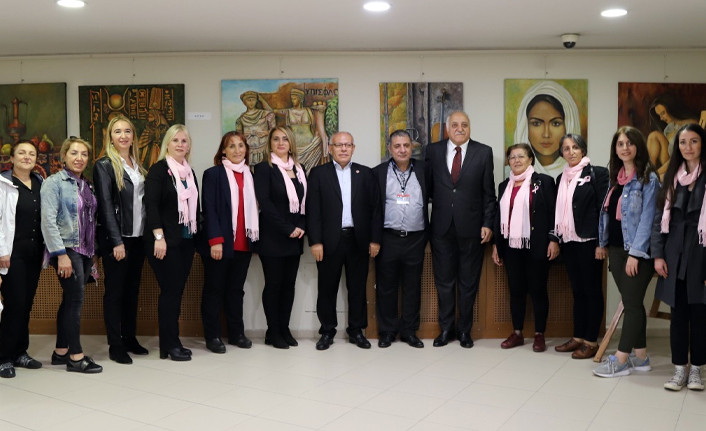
[176,354]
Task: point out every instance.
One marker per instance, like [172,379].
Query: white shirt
[138,210]
[344,180]
[451,152]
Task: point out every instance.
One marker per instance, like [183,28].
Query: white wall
[359,74]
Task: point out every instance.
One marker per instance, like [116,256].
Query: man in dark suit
[462,189]
[403,203]
[344,228]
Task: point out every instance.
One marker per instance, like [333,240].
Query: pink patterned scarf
[517,228]
[684,178]
[252,224]
[294,206]
[622,180]
[564,213]
[187,197]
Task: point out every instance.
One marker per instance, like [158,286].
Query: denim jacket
[59,198]
[637,212]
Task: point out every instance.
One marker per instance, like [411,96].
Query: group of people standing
[351,213]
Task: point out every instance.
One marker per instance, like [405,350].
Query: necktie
[456,166]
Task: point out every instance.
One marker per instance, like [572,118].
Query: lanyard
[403,181]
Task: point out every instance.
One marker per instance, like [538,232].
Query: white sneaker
[637,364]
[695,383]
[678,380]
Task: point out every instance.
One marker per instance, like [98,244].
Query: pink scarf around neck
[622,180]
[517,228]
[187,197]
[564,213]
[294,206]
[252,224]
[684,178]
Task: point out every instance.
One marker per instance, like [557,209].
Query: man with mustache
[462,189]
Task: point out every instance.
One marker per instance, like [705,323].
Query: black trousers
[223,289]
[632,292]
[527,275]
[355,261]
[19,286]
[171,273]
[122,288]
[278,294]
[68,318]
[585,276]
[687,329]
[399,264]
[457,266]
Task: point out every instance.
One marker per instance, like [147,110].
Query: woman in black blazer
[677,244]
[280,186]
[120,186]
[525,241]
[172,208]
[580,191]
[231,223]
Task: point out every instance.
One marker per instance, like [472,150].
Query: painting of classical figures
[539,112]
[308,106]
[152,108]
[659,110]
[35,112]
[420,108]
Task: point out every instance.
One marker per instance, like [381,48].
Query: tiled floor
[345,388]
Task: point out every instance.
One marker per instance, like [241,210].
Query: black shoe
[26,361]
[84,365]
[443,338]
[386,339]
[241,341]
[276,341]
[412,340]
[184,350]
[324,342]
[289,338]
[176,354]
[119,355]
[133,346]
[465,340]
[7,371]
[57,359]
[359,340]
[215,345]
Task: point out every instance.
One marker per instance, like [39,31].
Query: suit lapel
[333,177]
[355,181]
[442,165]
[223,173]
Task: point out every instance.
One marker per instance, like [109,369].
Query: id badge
[402,198]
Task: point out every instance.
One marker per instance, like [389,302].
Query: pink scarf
[564,213]
[294,206]
[187,197]
[685,179]
[517,228]
[252,224]
[622,180]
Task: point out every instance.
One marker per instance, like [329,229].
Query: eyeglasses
[513,158]
[343,145]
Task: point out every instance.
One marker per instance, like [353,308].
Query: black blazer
[541,216]
[161,204]
[217,211]
[681,243]
[115,206]
[324,207]
[418,168]
[470,203]
[276,222]
[587,200]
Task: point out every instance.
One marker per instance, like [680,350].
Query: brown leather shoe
[569,346]
[513,340]
[539,345]
[585,352]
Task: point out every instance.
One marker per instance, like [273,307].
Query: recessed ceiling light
[613,13]
[71,3]
[376,6]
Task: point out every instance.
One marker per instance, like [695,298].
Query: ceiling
[40,27]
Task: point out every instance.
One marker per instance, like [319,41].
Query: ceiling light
[71,3]
[613,13]
[376,6]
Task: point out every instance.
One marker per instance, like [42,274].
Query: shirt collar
[339,167]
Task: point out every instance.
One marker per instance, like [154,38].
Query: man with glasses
[344,227]
[403,203]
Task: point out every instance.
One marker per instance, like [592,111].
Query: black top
[615,228]
[28,231]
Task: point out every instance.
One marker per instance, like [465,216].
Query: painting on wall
[35,112]
[658,110]
[308,106]
[151,108]
[539,112]
[420,108]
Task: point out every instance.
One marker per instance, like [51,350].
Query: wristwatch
[158,236]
